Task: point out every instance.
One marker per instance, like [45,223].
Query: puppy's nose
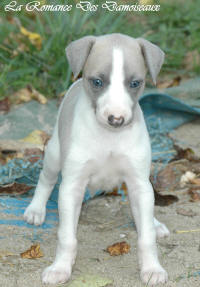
[114,121]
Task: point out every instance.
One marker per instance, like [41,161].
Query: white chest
[108,172]
[106,157]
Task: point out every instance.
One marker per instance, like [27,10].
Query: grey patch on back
[66,116]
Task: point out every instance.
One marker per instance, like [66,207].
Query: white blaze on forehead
[116,100]
[117,93]
[117,75]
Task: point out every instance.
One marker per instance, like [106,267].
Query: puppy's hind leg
[161,229]
[142,204]
[36,211]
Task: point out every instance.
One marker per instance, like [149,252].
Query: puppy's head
[114,69]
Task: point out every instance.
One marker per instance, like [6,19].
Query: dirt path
[104,221]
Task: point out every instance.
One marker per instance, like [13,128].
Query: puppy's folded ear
[77,53]
[154,57]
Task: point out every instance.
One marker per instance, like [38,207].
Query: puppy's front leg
[71,195]
[142,205]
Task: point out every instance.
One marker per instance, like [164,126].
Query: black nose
[115,122]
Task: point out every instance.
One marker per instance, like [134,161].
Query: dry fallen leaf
[18,38]
[33,154]
[7,154]
[118,248]
[160,199]
[171,83]
[195,181]
[22,96]
[27,94]
[115,190]
[10,149]
[39,97]
[185,212]
[36,137]
[75,79]
[194,192]
[32,253]
[187,153]
[169,177]
[164,200]
[34,38]
[5,105]
[14,188]
[187,177]
[166,179]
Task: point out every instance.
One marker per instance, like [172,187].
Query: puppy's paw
[162,231]
[154,275]
[34,215]
[55,274]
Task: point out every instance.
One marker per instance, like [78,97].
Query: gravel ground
[104,221]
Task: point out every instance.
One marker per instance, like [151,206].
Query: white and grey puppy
[100,140]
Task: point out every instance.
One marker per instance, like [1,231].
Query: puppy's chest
[107,172]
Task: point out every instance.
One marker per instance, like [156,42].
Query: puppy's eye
[97,83]
[134,84]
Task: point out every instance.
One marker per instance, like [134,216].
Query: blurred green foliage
[175,28]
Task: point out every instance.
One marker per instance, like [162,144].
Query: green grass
[47,69]
[175,29]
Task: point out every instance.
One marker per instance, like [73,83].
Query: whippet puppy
[99,141]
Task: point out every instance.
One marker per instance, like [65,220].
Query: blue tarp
[162,112]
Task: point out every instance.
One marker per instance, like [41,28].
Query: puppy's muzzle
[115,122]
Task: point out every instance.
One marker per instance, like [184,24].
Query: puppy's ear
[154,57]
[77,53]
